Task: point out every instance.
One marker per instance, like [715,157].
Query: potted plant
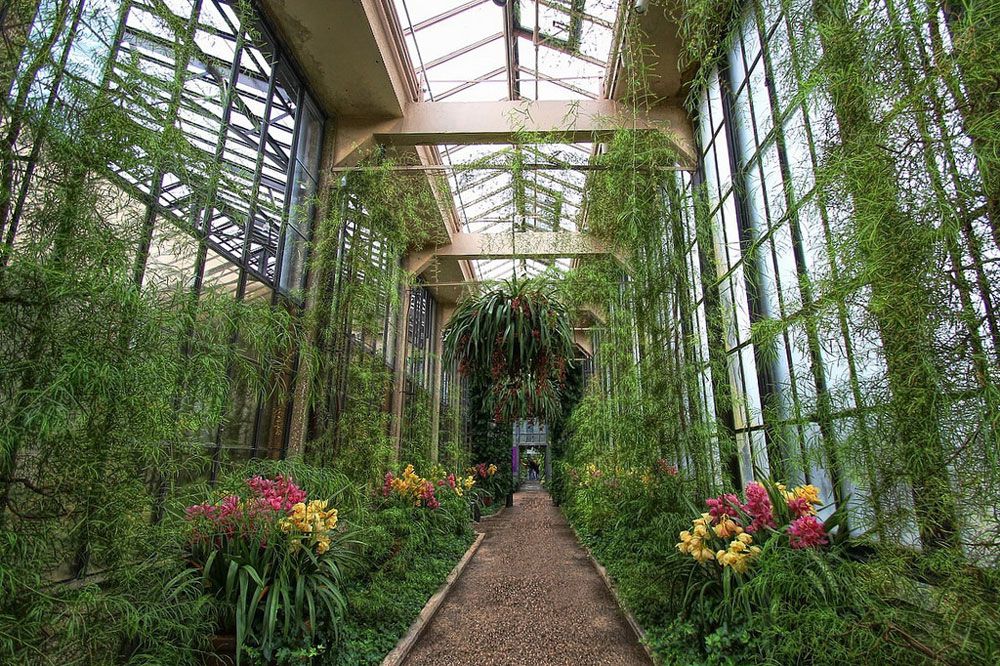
[274,561]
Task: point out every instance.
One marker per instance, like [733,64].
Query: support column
[515,462]
[444,313]
[399,376]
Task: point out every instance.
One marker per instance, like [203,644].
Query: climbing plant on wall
[832,319]
[113,386]
[370,220]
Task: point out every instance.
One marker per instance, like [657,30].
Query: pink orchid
[806,532]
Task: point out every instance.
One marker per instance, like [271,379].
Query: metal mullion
[951,166]
[792,219]
[491,174]
[537,187]
[258,166]
[485,78]
[172,117]
[842,317]
[590,60]
[459,52]
[434,20]
[242,132]
[712,299]
[224,126]
[489,212]
[483,197]
[511,53]
[584,16]
[544,173]
[37,141]
[293,161]
[540,76]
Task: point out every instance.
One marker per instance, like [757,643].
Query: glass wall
[770,258]
[243,108]
[224,188]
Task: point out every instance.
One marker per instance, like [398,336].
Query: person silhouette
[532,469]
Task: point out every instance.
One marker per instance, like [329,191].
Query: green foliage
[901,219]
[274,598]
[517,339]
[416,437]
[490,442]
[364,229]
[848,605]
[108,387]
[410,551]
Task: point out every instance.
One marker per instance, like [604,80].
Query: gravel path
[529,596]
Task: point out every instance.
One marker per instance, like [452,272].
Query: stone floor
[529,596]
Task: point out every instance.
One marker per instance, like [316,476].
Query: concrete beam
[583,340]
[501,246]
[428,123]
[352,54]
[399,376]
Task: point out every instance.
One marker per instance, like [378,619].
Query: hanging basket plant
[517,339]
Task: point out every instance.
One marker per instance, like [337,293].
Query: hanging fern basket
[516,338]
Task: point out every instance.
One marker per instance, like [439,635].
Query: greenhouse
[502,332]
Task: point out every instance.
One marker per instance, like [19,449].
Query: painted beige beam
[428,123]
[498,122]
[501,246]
[353,54]
[444,313]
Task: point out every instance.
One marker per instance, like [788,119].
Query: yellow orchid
[727,528]
[312,519]
[739,553]
[693,541]
[809,493]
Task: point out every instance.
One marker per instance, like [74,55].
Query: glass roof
[477,50]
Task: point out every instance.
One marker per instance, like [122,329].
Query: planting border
[637,629]
[406,643]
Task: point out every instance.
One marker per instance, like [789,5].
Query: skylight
[477,51]
[474,50]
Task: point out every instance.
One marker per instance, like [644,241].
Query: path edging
[406,643]
[493,515]
[637,629]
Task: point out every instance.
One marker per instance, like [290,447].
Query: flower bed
[273,559]
[758,577]
[411,488]
[731,531]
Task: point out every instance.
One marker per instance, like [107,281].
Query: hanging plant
[517,339]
